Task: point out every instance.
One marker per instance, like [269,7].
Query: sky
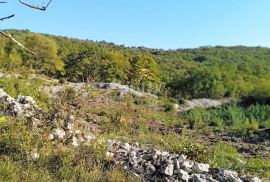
[167,24]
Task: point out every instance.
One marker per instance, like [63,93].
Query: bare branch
[42,8]
[16,42]
[6,34]
[7,17]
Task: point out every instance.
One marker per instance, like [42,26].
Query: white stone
[150,168]
[34,156]
[187,164]
[182,158]
[183,175]
[59,133]
[70,126]
[201,168]
[109,154]
[165,153]
[229,175]
[176,164]
[126,147]
[71,119]
[75,141]
[198,178]
[89,137]
[256,179]
[51,136]
[168,170]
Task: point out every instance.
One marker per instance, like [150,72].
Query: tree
[6,34]
[114,67]
[46,58]
[97,65]
[144,70]
[84,66]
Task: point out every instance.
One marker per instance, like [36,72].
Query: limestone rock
[256,179]
[201,168]
[34,156]
[58,133]
[183,175]
[168,169]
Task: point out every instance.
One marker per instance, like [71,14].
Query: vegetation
[234,117]
[212,72]
[55,164]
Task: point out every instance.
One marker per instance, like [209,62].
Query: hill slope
[211,72]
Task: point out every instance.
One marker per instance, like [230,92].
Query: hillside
[212,72]
[80,110]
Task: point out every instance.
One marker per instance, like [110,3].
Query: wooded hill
[211,72]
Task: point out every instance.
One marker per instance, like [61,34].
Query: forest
[210,72]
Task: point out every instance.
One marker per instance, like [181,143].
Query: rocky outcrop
[156,165]
[203,103]
[125,89]
[24,106]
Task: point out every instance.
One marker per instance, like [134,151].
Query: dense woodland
[211,72]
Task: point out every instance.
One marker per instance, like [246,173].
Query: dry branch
[42,8]
[16,42]
[6,34]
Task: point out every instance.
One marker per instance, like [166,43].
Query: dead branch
[16,42]
[7,17]
[42,8]
[6,34]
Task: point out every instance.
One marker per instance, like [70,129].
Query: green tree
[114,67]
[144,70]
[84,66]
[46,58]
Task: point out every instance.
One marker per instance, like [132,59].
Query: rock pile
[24,106]
[156,165]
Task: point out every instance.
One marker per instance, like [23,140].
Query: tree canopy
[211,72]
